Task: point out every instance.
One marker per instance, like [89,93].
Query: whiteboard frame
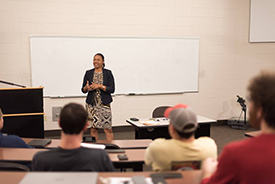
[253,33]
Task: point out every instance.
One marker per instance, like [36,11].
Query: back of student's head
[262,94]
[183,119]
[73,118]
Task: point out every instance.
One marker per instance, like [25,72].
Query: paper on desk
[95,146]
[123,180]
[149,122]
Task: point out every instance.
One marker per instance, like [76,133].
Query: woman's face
[98,62]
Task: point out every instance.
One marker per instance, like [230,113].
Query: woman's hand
[95,86]
[98,86]
[88,87]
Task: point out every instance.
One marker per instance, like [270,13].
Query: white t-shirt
[162,152]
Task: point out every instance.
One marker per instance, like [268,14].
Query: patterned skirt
[99,116]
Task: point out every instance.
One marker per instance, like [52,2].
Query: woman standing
[99,83]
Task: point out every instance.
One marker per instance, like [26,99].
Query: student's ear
[171,130]
[259,113]
[59,123]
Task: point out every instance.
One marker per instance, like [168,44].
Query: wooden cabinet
[23,111]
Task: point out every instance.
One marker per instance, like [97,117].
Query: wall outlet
[55,113]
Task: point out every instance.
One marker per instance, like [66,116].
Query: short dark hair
[262,93]
[73,118]
[186,135]
[101,55]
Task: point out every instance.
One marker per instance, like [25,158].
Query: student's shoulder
[205,142]
[236,145]
[14,140]
[47,152]
[94,151]
[44,155]
[92,154]
[160,142]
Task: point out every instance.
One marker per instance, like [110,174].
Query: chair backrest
[186,165]
[159,111]
[7,166]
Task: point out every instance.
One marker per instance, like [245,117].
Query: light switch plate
[55,113]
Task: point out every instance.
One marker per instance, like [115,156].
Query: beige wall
[227,60]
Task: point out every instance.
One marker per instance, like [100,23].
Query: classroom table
[253,134]
[152,128]
[190,177]
[24,156]
[123,144]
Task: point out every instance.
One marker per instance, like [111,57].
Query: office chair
[186,165]
[7,166]
[159,111]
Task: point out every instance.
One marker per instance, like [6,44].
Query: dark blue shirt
[12,141]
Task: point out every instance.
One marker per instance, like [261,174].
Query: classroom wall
[227,60]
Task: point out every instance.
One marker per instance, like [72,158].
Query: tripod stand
[241,125]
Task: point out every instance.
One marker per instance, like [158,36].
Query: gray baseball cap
[182,118]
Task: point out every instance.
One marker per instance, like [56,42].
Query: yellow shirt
[162,152]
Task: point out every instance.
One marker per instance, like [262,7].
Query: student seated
[70,156]
[10,141]
[250,160]
[183,146]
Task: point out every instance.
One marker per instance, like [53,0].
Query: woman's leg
[94,133]
[109,134]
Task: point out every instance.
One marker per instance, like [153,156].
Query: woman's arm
[110,88]
[86,85]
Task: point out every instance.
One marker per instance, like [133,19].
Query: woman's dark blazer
[108,81]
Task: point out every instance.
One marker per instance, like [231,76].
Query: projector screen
[262,21]
[139,65]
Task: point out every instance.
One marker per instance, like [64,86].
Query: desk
[190,177]
[253,134]
[135,157]
[123,144]
[160,128]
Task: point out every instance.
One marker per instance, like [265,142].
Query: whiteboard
[262,18]
[139,65]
